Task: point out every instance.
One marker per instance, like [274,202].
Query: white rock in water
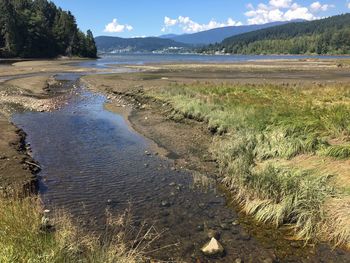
[213,247]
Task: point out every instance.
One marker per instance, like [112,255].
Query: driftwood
[34,164]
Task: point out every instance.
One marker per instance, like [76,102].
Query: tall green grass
[262,123]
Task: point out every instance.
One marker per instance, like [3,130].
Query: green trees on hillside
[37,28]
[326,36]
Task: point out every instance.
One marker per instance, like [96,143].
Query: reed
[266,123]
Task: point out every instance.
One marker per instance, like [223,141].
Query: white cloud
[317,7]
[189,26]
[280,3]
[283,10]
[115,27]
[349,5]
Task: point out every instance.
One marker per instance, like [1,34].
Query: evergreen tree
[37,28]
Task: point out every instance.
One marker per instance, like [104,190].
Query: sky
[140,18]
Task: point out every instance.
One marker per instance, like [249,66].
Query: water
[92,161]
[140,59]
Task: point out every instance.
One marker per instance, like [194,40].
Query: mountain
[326,36]
[38,28]
[217,35]
[169,36]
[147,44]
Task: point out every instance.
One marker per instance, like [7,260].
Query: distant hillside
[147,44]
[326,36]
[217,35]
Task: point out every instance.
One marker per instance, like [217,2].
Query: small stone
[213,248]
[224,226]
[109,201]
[202,205]
[213,234]
[235,223]
[146,165]
[200,228]
[165,204]
[238,260]
[172,184]
[46,211]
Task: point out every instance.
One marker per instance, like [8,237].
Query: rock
[224,226]
[213,248]
[200,228]
[235,223]
[172,184]
[213,234]
[165,204]
[238,260]
[109,201]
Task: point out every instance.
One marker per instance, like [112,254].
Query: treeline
[326,36]
[37,29]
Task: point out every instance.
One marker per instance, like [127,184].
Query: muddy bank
[36,93]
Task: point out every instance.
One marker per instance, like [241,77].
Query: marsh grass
[268,122]
[23,239]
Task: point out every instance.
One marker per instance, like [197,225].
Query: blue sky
[156,17]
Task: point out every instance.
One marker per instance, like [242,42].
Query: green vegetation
[24,239]
[326,36]
[258,126]
[39,29]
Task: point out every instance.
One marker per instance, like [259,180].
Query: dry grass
[275,124]
[24,237]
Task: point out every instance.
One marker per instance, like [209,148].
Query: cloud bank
[187,25]
[115,27]
[283,10]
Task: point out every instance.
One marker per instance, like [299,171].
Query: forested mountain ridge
[141,44]
[217,35]
[38,28]
[326,36]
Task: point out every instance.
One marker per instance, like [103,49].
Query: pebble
[213,233]
[213,248]
[235,223]
[224,226]
[165,204]
[200,228]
